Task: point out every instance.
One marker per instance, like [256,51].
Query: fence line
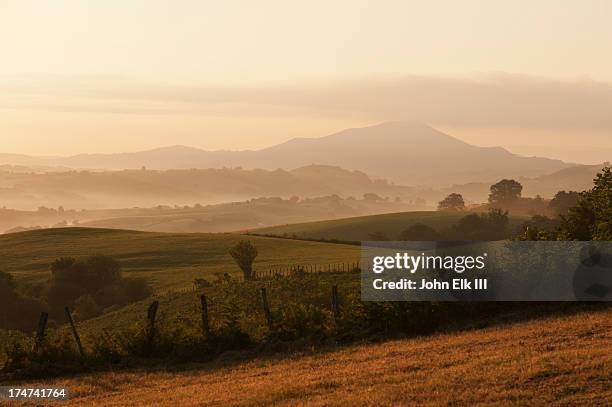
[280,272]
[297,269]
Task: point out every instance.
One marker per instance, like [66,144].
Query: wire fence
[297,269]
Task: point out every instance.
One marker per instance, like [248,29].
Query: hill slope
[166,260]
[575,178]
[406,152]
[361,227]
[555,361]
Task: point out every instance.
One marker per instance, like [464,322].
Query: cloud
[494,100]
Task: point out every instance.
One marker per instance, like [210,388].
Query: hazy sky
[80,76]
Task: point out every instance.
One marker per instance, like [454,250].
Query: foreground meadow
[562,360]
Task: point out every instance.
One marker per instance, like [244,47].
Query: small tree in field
[453,202]
[244,253]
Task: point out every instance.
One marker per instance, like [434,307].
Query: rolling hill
[410,153]
[168,261]
[145,188]
[575,178]
[362,227]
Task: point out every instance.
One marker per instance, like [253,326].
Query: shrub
[96,280]
[492,225]
[16,310]
[201,283]
[86,307]
[136,289]
[301,322]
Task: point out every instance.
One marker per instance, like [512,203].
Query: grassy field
[169,261]
[555,361]
[360,228]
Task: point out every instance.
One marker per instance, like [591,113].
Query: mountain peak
[406,152]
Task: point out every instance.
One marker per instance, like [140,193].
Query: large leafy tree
[505,191]
[453,202]
[563,201]
[591,219]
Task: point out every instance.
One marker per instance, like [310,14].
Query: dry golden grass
[556,361]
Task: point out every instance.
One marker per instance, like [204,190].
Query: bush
[96,280]
[16,311]
[490,226]
[86,307]
[136,289]
[56,356]
[301,322]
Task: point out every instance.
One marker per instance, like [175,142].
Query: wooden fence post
[77,338]
[40,331]
[204,305]
[335,303]
[266,307]
[151,315]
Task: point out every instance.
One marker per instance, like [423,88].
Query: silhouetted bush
[490,226]
[16,310]
[95,282]
[137,289]
[86,307]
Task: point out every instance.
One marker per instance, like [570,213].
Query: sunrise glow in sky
[129,75]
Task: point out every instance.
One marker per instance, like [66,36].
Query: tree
[505,191]
[244,253]
[591,219]
[419,232]
[453,202]
[539,228]
[563,201]
[490,226]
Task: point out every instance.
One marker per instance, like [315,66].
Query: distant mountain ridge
[404,152]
